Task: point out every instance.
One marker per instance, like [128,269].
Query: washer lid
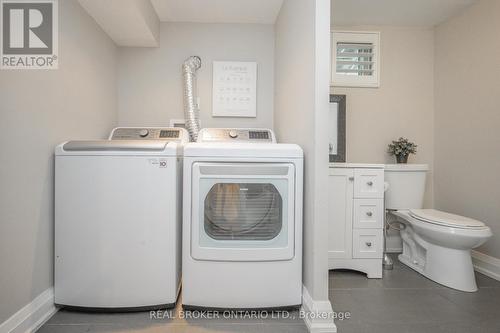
[118,147]
[446,219]
[108,145]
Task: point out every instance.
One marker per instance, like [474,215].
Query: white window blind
[355,59]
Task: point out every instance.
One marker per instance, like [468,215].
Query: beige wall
[467,117]
[403,105]
[150,79]
[301,115]
[39,109]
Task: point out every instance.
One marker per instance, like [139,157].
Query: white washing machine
[242,221]
[118,220]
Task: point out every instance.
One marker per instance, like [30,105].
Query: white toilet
[435,244]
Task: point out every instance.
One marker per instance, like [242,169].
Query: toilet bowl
[436,244]
[440,250]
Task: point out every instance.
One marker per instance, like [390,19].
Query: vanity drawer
[369,183]
[368,213]
[367,243]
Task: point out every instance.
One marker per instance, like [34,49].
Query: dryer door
[243,211]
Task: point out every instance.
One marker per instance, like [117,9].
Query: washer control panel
[261,135]
[149,133]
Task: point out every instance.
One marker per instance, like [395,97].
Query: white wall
[39,109]
[403,105]
[467,121]
[301,116]
[150,79]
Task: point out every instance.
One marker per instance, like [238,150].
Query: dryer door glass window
[243,211]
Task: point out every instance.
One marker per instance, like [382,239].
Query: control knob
[233,134]
[143,133]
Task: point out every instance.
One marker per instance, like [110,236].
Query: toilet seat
[445,219]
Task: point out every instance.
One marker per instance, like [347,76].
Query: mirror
[337,123]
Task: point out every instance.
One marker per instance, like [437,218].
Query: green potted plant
[402,148]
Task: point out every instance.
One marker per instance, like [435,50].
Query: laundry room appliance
[118,220]
[242,221]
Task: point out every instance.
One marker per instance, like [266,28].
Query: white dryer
[118,220]
[242,221]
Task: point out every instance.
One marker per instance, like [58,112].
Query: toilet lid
[446,219]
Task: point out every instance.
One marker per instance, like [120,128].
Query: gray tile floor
[405,301]
[175,321]
[402,302]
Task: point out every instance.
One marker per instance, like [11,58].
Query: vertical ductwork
[191,112]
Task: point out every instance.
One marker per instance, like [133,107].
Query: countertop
[357,165]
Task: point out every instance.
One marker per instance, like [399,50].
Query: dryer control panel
[256,135]
[150,133]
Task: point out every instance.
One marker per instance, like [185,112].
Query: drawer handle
[369,183]
[369,213]
[351,178]
[369,244]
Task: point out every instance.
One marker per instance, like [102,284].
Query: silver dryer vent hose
[191,112]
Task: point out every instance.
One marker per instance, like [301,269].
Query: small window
[355,59]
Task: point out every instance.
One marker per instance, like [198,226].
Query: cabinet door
[340,185]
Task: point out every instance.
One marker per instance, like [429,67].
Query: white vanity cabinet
[356,217]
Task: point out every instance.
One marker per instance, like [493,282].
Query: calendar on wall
[234,89]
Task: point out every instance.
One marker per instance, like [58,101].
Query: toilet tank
[406,185]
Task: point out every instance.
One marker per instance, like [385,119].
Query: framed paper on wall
[234,89]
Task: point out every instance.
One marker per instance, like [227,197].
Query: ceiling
[137,22]
[218,11]
[395,12]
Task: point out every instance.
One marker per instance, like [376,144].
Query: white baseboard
[489,266]
[318,315]
[32,316]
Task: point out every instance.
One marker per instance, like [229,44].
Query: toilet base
[439,252]
[448,267]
